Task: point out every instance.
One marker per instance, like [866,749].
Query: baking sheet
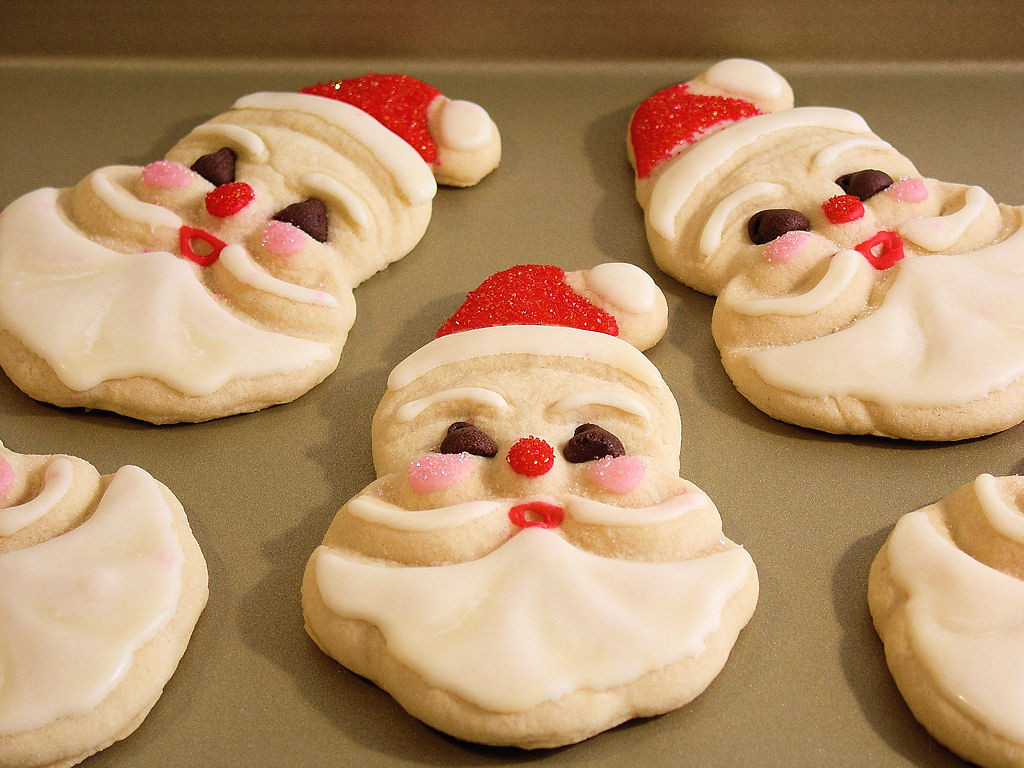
[806,683]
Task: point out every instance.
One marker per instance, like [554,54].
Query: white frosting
[369,506]
[1003,518]
[552,340]
[949,330]
[75,608]
[934,233]
[110,185]
[509,637]
[463,125]
[321,185]
[966,624]
[96,314]
[480,396]
[246,142]
[237,260]
[842,269]
[620,400]
[827,156]
[598,513]
[372,507]
[746,78]
[56,482]
[682,175]
[714,228]
[625,285]
[413,176]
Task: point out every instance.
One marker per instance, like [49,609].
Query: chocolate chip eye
[218,167]
[765,226]
[864,184]
[310,216]
[591,442]
[463,437]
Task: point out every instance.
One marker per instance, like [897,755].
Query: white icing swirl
[714,228]
[236,137]
[109,185]
[620,400]
[1001,516]
[558,341]
[479,396]
[934,233]
[509,638]
[966,624]
[239,263]
[843,268]
[321,185]
[75,608]
[828,155]
[56,482]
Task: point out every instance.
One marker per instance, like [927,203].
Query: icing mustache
[542,511]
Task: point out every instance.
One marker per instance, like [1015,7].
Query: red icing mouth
[536,514]
[186,235]
[882,250]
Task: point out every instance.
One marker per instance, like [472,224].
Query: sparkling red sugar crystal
[528,294]
[673,116]
[399,102]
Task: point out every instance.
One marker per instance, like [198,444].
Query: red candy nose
[530,457]
[536,514]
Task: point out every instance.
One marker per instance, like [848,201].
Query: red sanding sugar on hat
[399,102]
[528,294]
[674,117]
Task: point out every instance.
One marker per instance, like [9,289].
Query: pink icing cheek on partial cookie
[787,247]
[438,471]
[6,480]
[617,474]
[909,190]
[165,174]
[282,239]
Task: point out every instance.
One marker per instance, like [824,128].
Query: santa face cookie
[946,592]
[855,296]
[529,569]
[219,280]
[101,584]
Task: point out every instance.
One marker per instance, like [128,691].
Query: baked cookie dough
[946,592]
[529,568]
[854,295]
[219,279]
[101,585]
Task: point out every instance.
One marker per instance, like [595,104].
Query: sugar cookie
[946,592]
[855,296]
[219,279]
[529,568]
[101,584]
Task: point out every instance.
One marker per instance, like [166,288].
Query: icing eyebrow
[239,138]
[831,153]
[320,184]
[474,395]
[711,235]
[620,400]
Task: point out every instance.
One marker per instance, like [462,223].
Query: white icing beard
[75,608]
[535,618]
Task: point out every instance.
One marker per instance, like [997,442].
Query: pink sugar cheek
[909,190]
[787,247]
[620,474]
[438,471]
[282,239]
[6,479]
[164,174]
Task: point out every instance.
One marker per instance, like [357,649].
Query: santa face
[526,427]
[529,546]
[855,296]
